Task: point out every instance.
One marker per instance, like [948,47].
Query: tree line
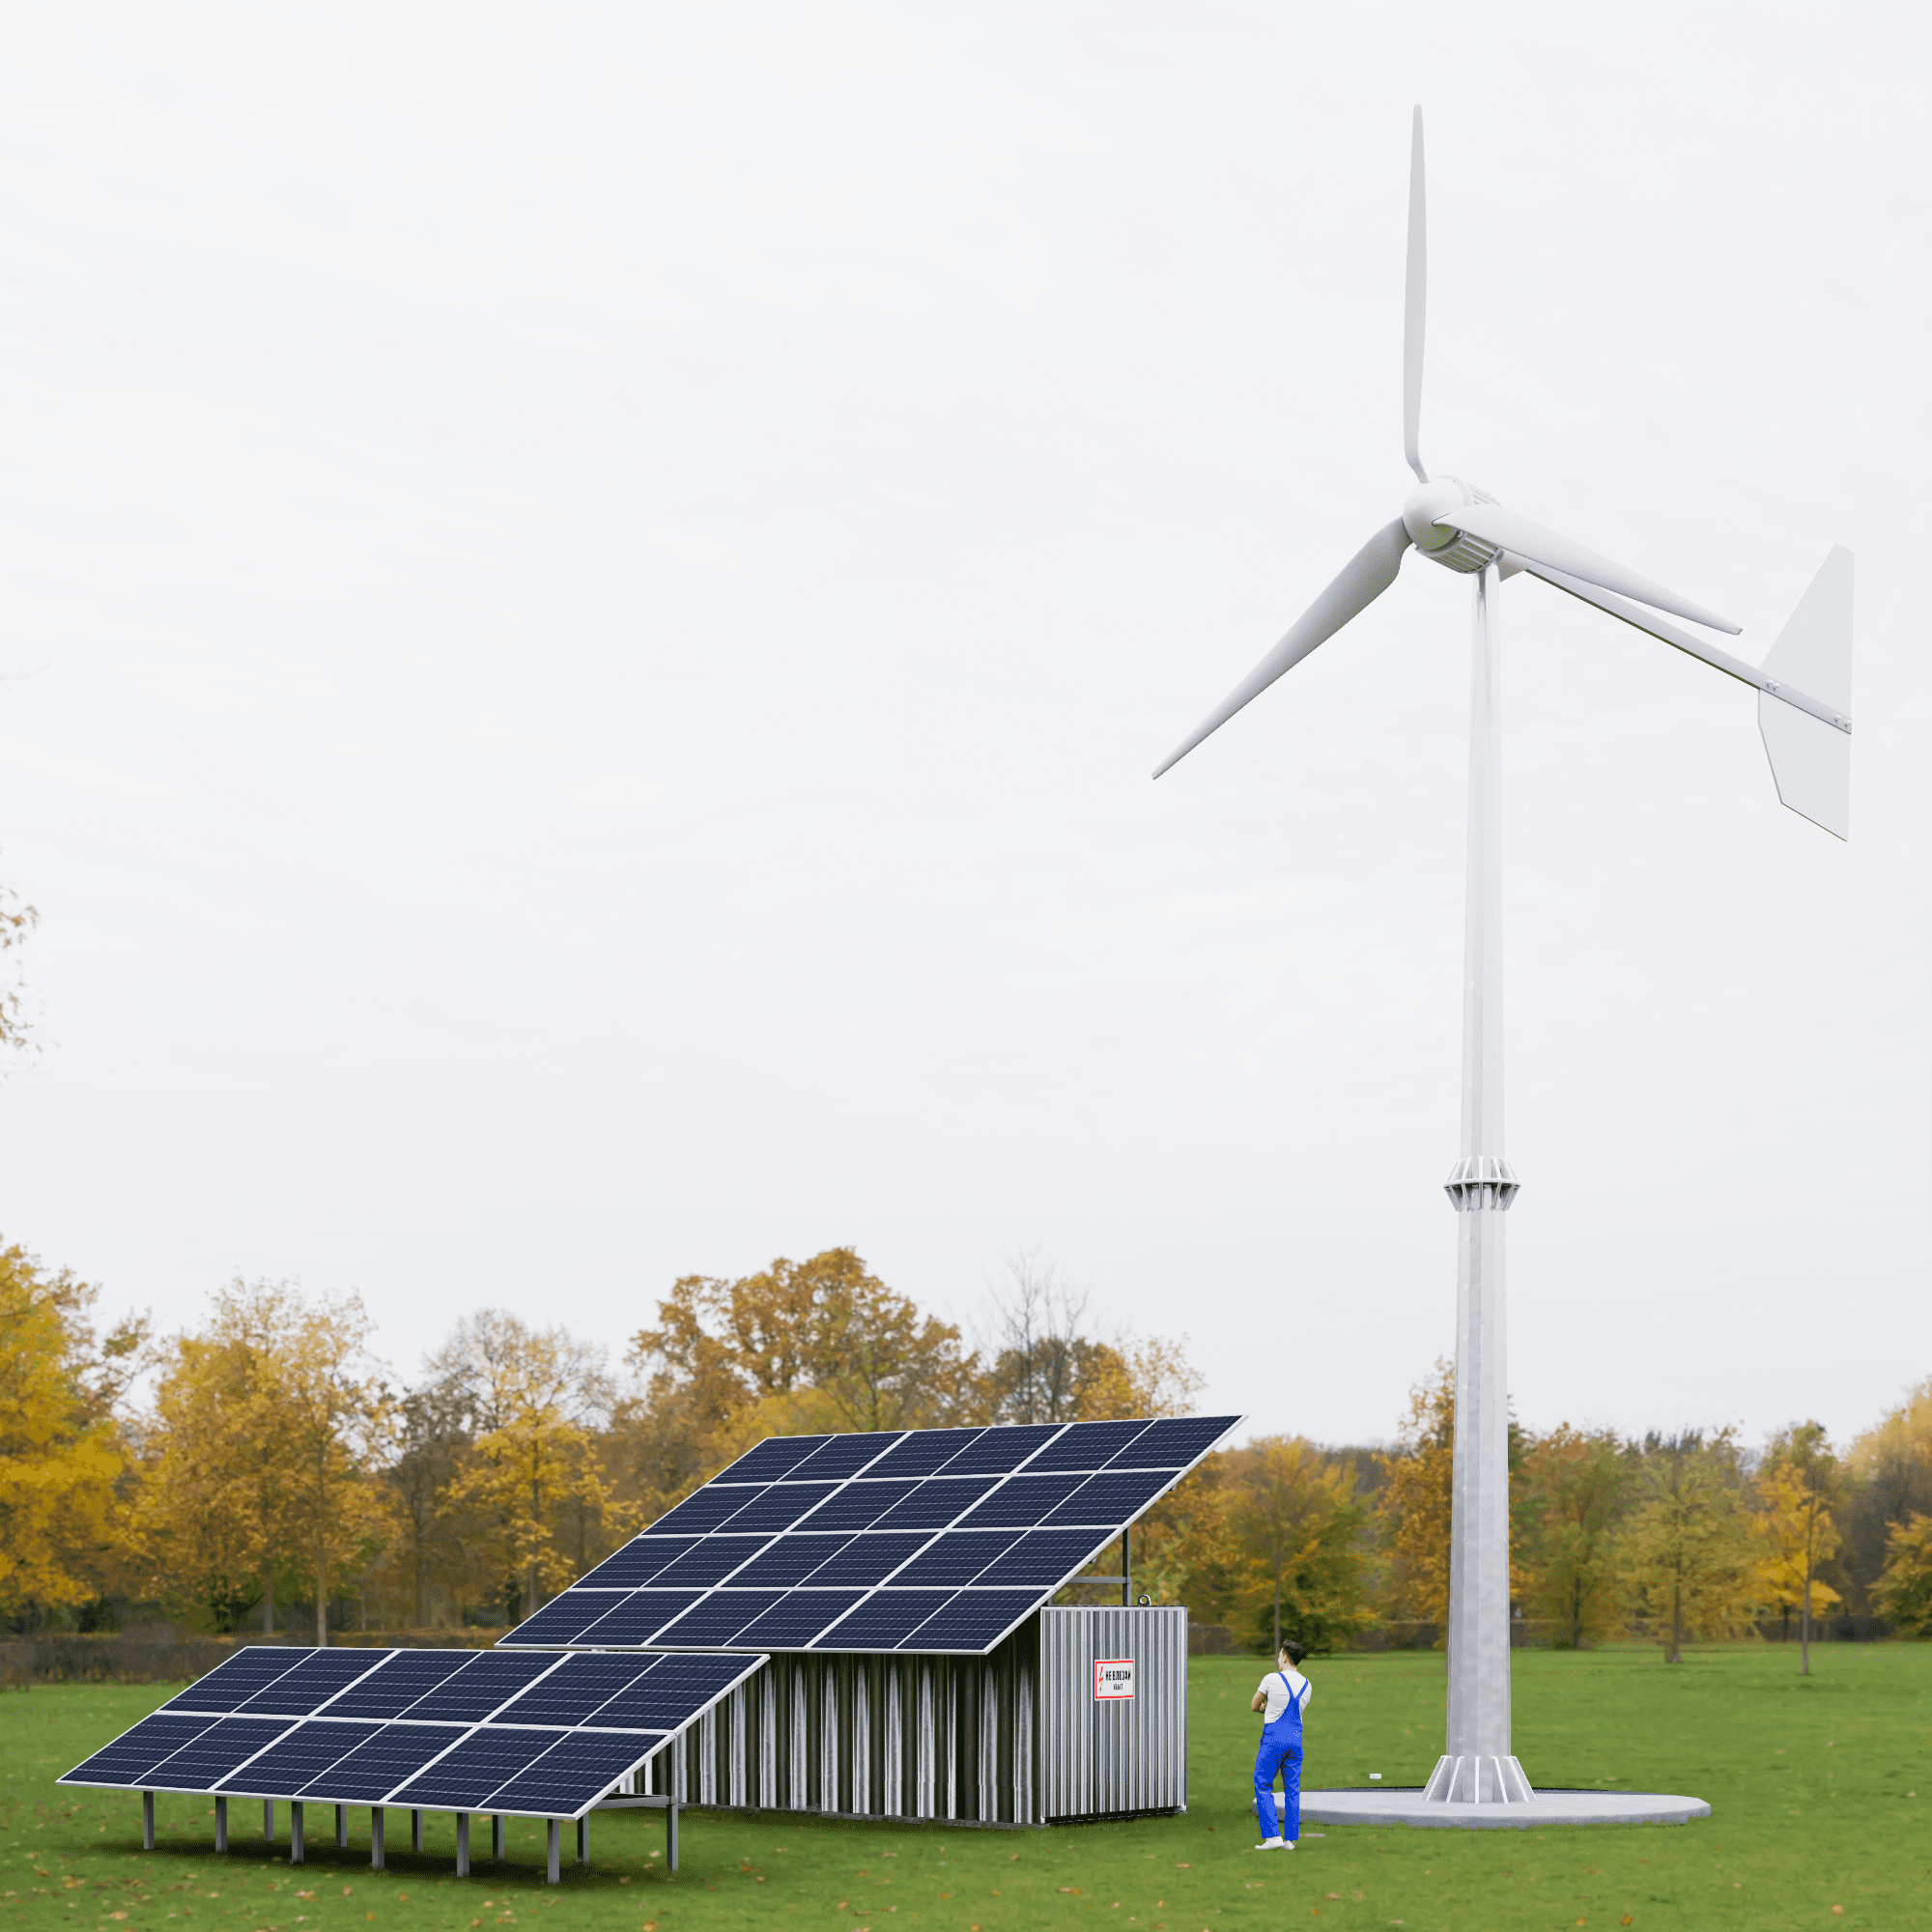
[265,1471]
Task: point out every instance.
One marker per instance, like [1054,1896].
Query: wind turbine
[1804,691]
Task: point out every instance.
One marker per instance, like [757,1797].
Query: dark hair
[1293,1651]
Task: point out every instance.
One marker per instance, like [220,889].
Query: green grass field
[1820,1789]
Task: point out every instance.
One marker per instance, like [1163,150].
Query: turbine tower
[1806,733]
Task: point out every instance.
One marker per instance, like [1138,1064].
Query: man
[1283,1697]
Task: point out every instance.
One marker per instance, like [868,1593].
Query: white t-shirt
[1277,1696]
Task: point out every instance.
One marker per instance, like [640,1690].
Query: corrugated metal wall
[1104,1759]
[1011,1739]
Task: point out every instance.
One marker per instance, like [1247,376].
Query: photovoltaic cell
[1174,1444]
[367,1775]
[671,1693]
[719,1617]
[313,1682]
[238,1678]
[1042,1559]
[956,1559]
[883,1620]
[796,1618]
[1108,1499]
[706,1509]
[488,1680]
[972,1620]
[778,1507]
[924,1451]
[1000,1450]
[135,1752]
[461,1779]
[868,1560]
[640,1616]
[843,1456]
[573,1773]
[791,1559]
[777,1456]
[392,1687]
[637,1563]
[857,1506]
[564,1618]
[709,1561]
[1086,1447]
[1023,1504]
[575,1689]
[299,1756]
[936,1502]
[203,1762]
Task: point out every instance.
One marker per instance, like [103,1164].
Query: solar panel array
[918,1539]
[537,1734]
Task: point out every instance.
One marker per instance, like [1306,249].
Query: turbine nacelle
[1429,516]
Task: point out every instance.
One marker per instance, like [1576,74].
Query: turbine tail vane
[1810,760]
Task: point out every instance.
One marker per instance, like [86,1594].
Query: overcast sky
[589,593]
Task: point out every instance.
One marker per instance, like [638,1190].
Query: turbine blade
[1415,307]
[1363,579]
[1535,544]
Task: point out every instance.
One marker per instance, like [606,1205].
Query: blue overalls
[1281,1751]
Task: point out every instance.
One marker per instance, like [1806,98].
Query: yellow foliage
[61,1454]
[1798,1534]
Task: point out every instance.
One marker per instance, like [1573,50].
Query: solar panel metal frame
[914,1457]
[279,1729]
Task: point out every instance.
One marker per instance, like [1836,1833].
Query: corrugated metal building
[1079,1713]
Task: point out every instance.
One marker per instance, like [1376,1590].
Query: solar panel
[135,1752]
[575,1688]
[488,1680]
[463,1778]
[974,1620]
[709,1560]
[843,1456]
[573,1773]
[313,1682]
[751,1559]
[299,1756]
[957,1557]
[233,1681]
[606,1716]
[883,1620]
[637,1563]
[368,1773]
[206,1760]
[396,1683]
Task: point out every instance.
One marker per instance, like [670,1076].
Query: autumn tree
[1296,1518]
[1889,1471]
[1575,1483]
[431,1438]
[535,1401]
[1795,1528]
[1417,1501]
[1904,1592]
[62,1455]
[1691,1552]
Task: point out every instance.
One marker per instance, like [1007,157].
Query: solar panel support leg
[376,1838]
[341,1826]
[497,1836]
[670,1835]
[584,1839]
[147,1821]
[415,1831]
[1126,1568]
[554,1876]
[295,1846]
[267,1821]
[463,1844]
[221,1823]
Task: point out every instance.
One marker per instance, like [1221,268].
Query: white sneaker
[1271,1845]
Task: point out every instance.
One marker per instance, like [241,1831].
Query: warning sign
[1113,1678]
